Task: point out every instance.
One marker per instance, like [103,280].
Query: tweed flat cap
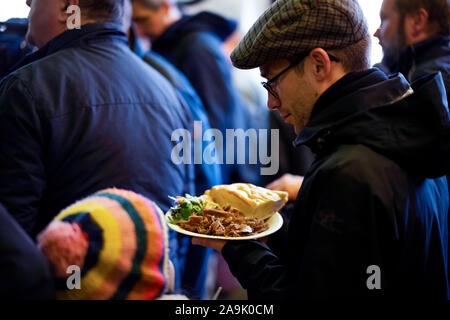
[294,27]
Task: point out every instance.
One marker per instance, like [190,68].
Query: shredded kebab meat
[228,222]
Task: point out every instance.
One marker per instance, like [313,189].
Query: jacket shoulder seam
[24,84]
[106,104]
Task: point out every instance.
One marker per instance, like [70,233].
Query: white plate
[275,222]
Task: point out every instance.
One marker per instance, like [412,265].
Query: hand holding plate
[215,244]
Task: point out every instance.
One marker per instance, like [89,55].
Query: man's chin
[29,38]
[298,128]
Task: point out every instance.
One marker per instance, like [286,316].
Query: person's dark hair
[438,11]
[355,57]
[150,4]
[103,10]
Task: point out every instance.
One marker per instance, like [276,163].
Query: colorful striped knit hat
[120,242]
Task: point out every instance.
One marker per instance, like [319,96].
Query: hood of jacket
[201,22]
[409,124]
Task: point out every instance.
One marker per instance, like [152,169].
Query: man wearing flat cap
[370,219]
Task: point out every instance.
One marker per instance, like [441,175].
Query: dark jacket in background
[424,58]
[195,265]
[12,44]
[375,195]
[194,44]
[24,271]
[206,175]
[84,113]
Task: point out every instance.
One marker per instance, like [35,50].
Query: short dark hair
[354,58]
[150,4]
[438,11]
[103,10]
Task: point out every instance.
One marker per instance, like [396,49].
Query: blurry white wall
[244,11]
[13,9]
[371,10]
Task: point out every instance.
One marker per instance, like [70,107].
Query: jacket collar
[76,38]
[201,22]
[423,46]
[420,52]
[335,108]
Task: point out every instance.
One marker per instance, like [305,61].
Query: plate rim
[276,226]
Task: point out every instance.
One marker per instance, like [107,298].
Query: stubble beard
[393,51]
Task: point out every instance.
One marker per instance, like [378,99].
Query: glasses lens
[269,88]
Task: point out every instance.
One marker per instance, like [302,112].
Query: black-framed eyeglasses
[268,85]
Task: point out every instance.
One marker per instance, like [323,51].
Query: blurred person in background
[84,113]
[414,35]
[13,45]
[194,44]
[195,266]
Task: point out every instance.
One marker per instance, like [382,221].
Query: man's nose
[377,33]
[273,102]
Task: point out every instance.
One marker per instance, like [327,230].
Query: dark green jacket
[373,197]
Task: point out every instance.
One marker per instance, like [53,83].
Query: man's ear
[321,64]
[165,7]
[417,23]
[64,6]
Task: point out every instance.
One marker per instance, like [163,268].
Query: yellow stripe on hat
[124,263]
[152,281]
[112,245]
